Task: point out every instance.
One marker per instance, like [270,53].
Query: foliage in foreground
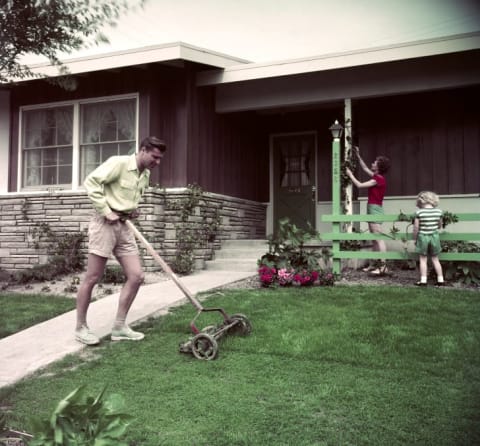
[323,366]
[47,28]
[80,419]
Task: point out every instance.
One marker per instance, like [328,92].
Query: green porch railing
[337,218]
[336,236]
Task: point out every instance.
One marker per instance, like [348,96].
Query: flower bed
[269,276]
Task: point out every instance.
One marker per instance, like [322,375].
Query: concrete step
[238,255]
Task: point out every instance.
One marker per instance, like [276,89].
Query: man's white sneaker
[126,334]
[85,336]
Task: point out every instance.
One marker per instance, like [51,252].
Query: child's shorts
[428,244]
[375,209]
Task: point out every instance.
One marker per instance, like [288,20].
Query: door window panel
[295,165]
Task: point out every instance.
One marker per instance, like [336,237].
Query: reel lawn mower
[204,343]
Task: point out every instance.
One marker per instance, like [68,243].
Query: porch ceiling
[382,79]
[440,63]
[335,61]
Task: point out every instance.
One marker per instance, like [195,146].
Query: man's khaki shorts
[105,239]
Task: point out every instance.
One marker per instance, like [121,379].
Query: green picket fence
[337,235]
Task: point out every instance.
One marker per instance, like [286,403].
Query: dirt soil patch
[68,285]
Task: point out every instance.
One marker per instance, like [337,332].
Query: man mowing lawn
[115,188]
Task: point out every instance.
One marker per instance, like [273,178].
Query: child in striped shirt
[426,225]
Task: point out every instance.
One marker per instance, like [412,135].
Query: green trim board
[342,218]
[398,255]
[466,236]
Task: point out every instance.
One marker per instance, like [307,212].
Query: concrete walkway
[29,350]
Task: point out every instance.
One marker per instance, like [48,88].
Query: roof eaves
[402,51]
[140,56]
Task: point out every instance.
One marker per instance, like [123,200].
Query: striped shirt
[429,220]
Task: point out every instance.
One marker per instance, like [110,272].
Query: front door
[294,178]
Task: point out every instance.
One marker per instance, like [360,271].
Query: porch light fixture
[336,130]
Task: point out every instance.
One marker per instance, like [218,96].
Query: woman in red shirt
[376,191]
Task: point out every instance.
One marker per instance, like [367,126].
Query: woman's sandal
[368,268]
[380,271]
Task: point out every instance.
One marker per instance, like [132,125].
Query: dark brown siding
[227,153]
[432,139]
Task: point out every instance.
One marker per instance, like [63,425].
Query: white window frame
[75,137]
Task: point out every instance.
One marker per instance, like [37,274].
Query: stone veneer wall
[70,211]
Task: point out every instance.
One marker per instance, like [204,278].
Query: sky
[272,30]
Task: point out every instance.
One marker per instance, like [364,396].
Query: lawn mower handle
[164,266]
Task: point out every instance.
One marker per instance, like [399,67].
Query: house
[255,137]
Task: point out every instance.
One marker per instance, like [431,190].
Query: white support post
[348,203]
[4,140]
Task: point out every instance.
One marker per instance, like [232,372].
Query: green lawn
[359,365]
[20,311]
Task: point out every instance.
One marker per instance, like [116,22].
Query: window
[53,154]
[47,154]
[107,129]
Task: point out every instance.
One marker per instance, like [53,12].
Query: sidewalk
[29,350]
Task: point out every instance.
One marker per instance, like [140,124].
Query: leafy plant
[193,233]
[184,262]
[80,419]
[3,421]
[350,162]
[448,218]
[113,274]
[289,260]
[351,245]
[287,248]
[458,271]
[48,28]
[64,250]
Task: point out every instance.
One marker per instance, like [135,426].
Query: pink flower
[267,275]
[285,276]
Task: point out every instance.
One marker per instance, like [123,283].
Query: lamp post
[336,130]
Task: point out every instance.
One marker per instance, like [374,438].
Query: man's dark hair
[383,164]
[151,142]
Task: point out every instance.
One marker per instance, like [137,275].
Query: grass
[356,365]
[20,311]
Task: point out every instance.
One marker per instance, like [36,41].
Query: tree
[50,27]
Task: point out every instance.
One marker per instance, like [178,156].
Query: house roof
[229,69]
[176,51]
[404,51]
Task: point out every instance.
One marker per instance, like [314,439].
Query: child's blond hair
[426,197]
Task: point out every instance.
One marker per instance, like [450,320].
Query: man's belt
[122,214]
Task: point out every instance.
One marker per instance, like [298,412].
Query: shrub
[113,274]
[288,261]
[467,273]
[80,419]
